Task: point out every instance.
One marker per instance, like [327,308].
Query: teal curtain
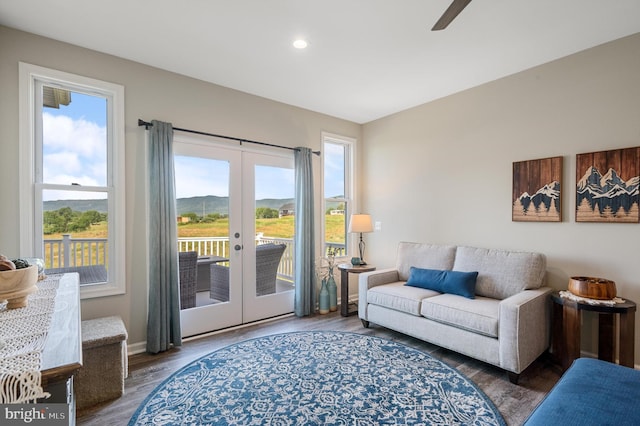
[163,322]
[305,277]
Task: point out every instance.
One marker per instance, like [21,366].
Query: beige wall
[441,172]
[149,94]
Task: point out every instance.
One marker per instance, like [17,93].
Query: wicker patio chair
[188,267]
[267,260]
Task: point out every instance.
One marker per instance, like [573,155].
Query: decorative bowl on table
[39,263]
[17,284]
[592,288]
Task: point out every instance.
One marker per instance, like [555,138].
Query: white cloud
[58,162]
[63,179]
[74,151]
[65,133]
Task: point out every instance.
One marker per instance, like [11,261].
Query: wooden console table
[567,328]
[345,268]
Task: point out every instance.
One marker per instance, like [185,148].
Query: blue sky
[203,176]
[334,170]
[86,107]
[75,152]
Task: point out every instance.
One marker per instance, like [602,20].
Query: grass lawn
[279,228]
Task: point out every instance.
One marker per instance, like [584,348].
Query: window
[338,192]
[72,176]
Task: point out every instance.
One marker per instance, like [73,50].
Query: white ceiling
[366,58]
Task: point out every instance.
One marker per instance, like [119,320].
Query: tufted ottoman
[104,361]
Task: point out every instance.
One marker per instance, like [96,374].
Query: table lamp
[360,223]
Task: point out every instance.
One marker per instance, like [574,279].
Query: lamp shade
[360,223]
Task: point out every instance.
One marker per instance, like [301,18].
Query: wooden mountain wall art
[537,190]
[607,186]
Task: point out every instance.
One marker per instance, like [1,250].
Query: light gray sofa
[506,324]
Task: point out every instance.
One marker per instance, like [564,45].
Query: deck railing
[205,246]
[75,252]
[337,248]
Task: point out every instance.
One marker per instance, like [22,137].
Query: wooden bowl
[592,288]
[17,284]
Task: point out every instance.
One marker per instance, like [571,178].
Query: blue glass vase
[324,298]
[333,292]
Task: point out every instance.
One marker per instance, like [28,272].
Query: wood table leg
[606,337]
[627,338]
[557,338]
[571,332]
[344,293]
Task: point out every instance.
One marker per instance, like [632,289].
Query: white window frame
[30,152]
[349,187]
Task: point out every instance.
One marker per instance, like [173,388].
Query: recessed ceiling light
[300,44]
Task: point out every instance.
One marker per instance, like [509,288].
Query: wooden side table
[346,309]
[567,328]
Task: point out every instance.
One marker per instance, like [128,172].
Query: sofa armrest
[524,328]
[367,280]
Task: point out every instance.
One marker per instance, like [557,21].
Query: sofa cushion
[426,256]
[399,297]
[453,282]
[479,315]
[502,273]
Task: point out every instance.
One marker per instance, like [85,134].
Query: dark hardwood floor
[514,402]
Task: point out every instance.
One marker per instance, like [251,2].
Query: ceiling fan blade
[450,14]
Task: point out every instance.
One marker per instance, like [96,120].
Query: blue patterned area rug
[317,378]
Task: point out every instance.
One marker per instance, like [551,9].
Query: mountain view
[604,197]
[76,205]
[199,205]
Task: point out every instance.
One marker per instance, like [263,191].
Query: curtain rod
[147,124]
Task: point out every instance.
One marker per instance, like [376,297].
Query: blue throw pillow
[452,282]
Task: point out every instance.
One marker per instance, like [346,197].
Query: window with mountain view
[77,217]
[337,179]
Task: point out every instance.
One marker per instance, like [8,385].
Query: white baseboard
[136,348]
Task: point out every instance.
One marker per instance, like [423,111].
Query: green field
[278,228]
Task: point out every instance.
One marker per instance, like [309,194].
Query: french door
[228,202]
[268,192]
